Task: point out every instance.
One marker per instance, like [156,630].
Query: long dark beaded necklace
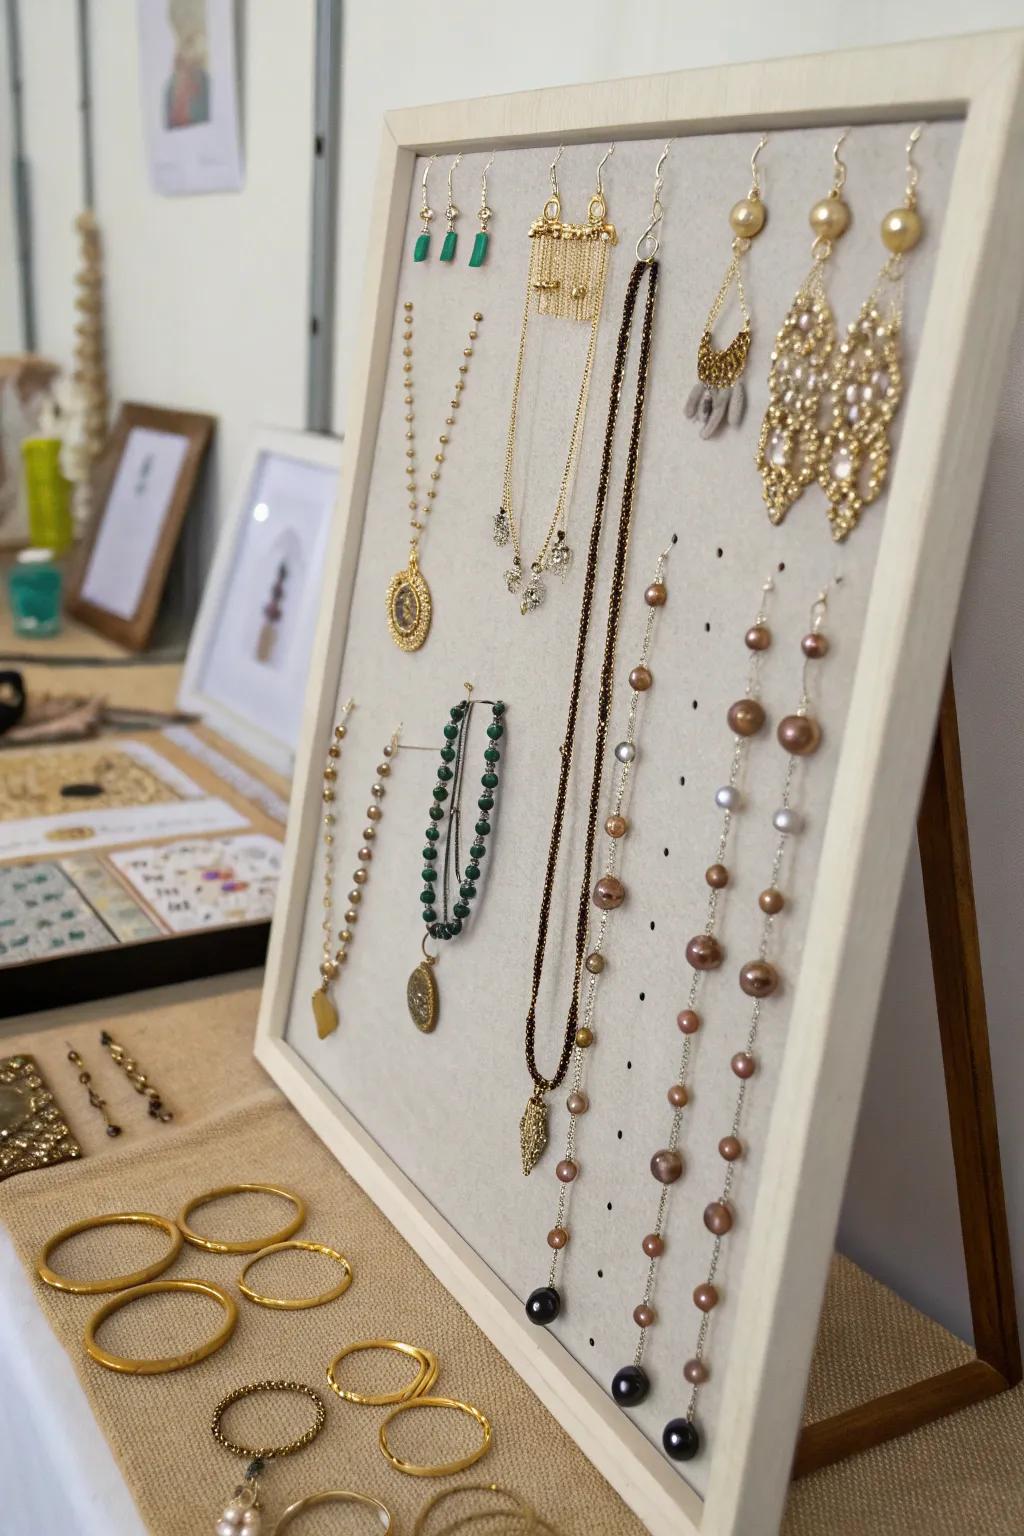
[447,923]
[533,1133]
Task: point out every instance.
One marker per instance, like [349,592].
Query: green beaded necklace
[443,917]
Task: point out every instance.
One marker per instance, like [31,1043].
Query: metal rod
[85,105]
[323,233]
[20,179]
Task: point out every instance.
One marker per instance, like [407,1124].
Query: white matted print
[140,499]
[249,656]
[189,95]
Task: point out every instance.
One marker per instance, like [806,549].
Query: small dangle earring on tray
[451,213]
[484,214]
[422,246]
[789,447]
[719,396]
[866,380]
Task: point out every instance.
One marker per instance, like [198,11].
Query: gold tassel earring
[866,380]
[788,450]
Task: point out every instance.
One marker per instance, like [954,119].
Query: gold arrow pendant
[533,1132]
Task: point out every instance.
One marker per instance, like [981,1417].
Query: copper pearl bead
[704,952]
[696,1372]
[616,826]
[717,876]
[688,1021]
[758,978]
[557,1238]
[677,1096]
[814,645]
[705,1298]
[374,812]
[566,1170]
[609,893]
[718,1218]
[743,1065]
[640,679]
[667,1166]
[758,637]
[644,1316]
[595,963]
[577,1103]
[771,901]
[656,595]
[730,1147]
[653,1245]
[799,734]
[746,717]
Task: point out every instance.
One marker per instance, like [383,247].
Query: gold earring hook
[755,175]
[648,246]
[426,173]
[913,169]
[483,181]
[451,172]
[551,170]
[601,165]
[839,165]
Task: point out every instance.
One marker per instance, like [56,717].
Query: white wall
[208,299]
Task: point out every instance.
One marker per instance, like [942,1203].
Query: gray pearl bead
[625,751]
[787,820]
[727,798]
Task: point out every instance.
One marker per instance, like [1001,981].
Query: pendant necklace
[443,917]
[533,1133]
[566,279]
[408,597]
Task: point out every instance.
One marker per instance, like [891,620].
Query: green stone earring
[422,246]
[451,213]
[484,215]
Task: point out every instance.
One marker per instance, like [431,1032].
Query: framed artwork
[188,75]
[430,1123]
[144,484]
[249,653]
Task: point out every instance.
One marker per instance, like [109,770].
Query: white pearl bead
[727,798]
[853,413]
[252,1521]
[787,820]
[788,396]
[777,453]
[805,321]
[798,372]
[852,393]
[842,465]
[880,381]
[625,751]
[811,380]
[226,1527]
[867,394]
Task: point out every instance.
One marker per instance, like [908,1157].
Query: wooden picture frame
[133,628]
[937,477]
[259,725]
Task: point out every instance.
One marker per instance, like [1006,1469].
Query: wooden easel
[945,854]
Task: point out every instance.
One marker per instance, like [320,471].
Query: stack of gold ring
[445,1469]
[528,1521]
[287,1304]
[422,1383]
[335,1496]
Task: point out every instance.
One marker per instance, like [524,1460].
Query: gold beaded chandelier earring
[719,396]
[565,279]
[789,447]
[422,246]
[865,384]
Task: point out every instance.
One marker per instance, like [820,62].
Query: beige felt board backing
[446,1106]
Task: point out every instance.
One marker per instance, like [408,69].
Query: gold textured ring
[520,1507]
[212,1245]
[334,1496]
[115,1282]
[268,1452]
[175,1362]
[286,1304]
[449,1468]
[422,1383]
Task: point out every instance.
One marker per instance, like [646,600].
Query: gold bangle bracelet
[334,1496]
[416,1388]
[520,1507]
[175,1362]
[284,1303]
[449,1468]
[212,1245]
[115,1282]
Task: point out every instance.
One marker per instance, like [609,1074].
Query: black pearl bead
[680,1439]
[543,1305]
[113,1130]
[630,1386]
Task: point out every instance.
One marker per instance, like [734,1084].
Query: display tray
[429,1121]
[126,863]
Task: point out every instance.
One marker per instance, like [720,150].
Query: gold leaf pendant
[533,1132]
[325,1014]
[409,606]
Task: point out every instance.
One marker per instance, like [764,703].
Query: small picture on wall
[189,95]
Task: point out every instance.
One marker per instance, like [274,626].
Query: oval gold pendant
[408,607]
[423,998]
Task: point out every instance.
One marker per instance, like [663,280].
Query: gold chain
[421,512]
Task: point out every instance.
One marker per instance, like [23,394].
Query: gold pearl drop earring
[866,381]
[788,451]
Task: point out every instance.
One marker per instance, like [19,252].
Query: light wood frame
[948,423]
[259,737]
[134,632]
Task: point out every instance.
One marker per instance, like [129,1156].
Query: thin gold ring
[449,1468]
[520,1505]
[531,1522]
[334,1496]
[286,1304]
[132,1367]
[115,1282]
[212,1245]
[416,1388]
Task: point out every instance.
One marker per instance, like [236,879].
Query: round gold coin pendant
[422,996]
[408,606]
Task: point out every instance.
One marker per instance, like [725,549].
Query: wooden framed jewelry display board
[429,1123]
